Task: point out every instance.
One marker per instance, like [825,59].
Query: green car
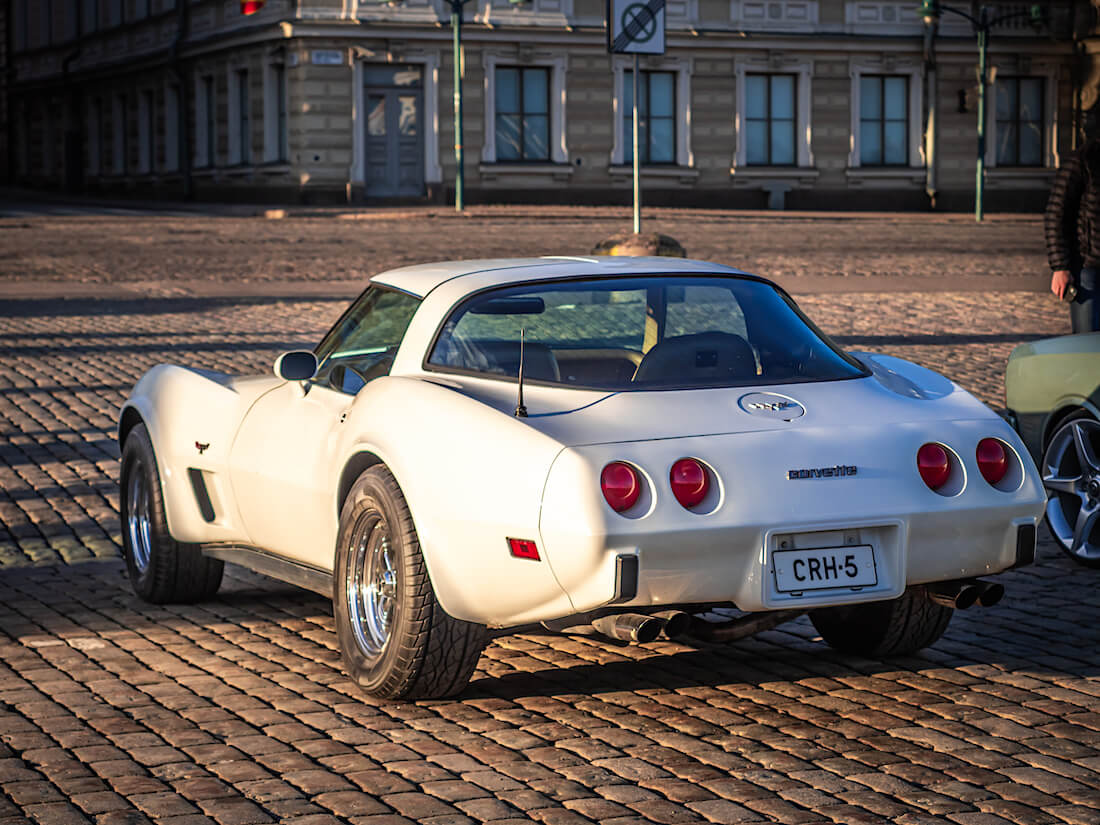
[1052,392]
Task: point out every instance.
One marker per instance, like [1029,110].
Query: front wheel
[396,640]
[162,570]
[892,628]
[1071,476]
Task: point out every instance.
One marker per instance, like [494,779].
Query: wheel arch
[129,419]
[354,467]
[1063,410]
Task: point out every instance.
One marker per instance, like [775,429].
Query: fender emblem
[202,448]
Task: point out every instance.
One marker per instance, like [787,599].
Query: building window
[20,25]
[48,139]
[275,125]
[119,120]
[240,137]
[146,133]
[95,135]
[1020,121]
[522,113]
[656,117]
[770,120]
[89,19]
[141,9]
[206,124]
[883,120]
[115,12]
[171,128]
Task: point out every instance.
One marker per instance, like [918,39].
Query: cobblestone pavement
[236,711]
[172,249]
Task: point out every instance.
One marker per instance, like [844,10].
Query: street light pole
[930,11]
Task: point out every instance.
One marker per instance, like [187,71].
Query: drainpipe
[931,183]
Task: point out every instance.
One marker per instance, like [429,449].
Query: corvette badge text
[839,471]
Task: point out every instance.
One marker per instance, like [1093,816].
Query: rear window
[655,332]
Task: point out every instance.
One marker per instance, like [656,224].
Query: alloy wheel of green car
[1071,475]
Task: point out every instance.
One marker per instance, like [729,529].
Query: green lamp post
[930,11]
[457,7]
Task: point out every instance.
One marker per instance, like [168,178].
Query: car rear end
[792,516]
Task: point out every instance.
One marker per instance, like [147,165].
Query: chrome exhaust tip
[676,623]
[991,593]
[958,594]
[629,627]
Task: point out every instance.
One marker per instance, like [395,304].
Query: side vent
[202,495]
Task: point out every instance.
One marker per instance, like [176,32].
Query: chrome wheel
[138,509]
[372,586]
[1071,475]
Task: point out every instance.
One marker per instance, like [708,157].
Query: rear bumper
[727,554]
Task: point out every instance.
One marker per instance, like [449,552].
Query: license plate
[824,568]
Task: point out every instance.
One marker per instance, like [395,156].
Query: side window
[362,345]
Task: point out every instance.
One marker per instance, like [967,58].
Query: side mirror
[299,365]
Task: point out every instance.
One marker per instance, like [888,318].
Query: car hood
[896,391]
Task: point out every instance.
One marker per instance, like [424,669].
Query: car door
[284,463]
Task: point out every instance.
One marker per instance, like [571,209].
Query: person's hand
[1059,281]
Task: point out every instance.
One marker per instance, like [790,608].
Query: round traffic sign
[639,22]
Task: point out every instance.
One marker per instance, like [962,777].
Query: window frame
[206,122]
[643,119]
[882,77]
[682,67]
[427,367]
[1042,121]
[768,119]
[559,154]
[240,116]
[522,69]
[276,110]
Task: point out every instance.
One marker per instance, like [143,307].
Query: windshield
[656,332]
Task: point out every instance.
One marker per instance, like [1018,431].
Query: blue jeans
[1084,312]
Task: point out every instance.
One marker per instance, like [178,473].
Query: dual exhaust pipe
[674,624]
[635,627]
[966,593]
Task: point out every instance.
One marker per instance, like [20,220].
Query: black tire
[1061,462]
[396,640]
[891,628]
[162,570]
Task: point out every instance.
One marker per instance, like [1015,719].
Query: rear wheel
[162,570]
[1071,476]
[396,640]
[891,628]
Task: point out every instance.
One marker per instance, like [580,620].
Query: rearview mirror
[519,305]
[299,365]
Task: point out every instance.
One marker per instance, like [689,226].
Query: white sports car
[618,444]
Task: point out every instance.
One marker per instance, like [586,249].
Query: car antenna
[521,409]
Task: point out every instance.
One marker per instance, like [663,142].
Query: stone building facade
[800,103]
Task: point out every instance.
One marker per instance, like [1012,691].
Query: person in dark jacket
[1072,224]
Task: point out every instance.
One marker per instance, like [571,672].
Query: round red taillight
[934,465]
[689,481]
[992,459]
[621,485]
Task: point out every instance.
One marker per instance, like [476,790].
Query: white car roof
[421,279]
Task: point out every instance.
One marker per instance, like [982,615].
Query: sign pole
[456,28]
[637,159]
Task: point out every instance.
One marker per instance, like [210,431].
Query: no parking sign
[636,26]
